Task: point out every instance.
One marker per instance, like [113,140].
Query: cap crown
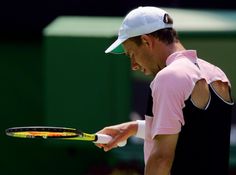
[140,21]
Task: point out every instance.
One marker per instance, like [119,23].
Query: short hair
[168,36]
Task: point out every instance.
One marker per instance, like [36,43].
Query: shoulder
[174,80]
[171,75]
[212,72]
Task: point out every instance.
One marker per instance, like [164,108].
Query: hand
[119,133]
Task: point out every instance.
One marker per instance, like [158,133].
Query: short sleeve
[169,90]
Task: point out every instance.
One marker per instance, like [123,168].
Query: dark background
[29,17]
[21,76]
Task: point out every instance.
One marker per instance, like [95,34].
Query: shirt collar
[190,54]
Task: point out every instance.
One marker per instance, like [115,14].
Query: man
[187,125]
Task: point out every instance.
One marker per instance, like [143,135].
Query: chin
[148,73]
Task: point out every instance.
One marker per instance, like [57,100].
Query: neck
[175,47]
[172,48]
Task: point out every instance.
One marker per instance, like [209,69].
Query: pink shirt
[170,88]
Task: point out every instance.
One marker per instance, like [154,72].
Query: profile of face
[141,57]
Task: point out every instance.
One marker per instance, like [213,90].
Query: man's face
[140,57]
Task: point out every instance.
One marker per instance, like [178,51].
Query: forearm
[162,155]
[130,128]
[134,128]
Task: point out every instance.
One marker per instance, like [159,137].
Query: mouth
[144,71]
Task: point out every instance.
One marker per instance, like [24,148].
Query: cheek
[144,59]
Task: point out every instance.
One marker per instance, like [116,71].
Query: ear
[147,40]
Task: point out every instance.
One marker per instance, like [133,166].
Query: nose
[134,65]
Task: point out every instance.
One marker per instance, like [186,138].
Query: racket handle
[103,138]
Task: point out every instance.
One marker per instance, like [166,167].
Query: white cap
[140,21]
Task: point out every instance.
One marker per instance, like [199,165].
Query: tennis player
[186,130]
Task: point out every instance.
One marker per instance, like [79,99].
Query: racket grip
[103,138]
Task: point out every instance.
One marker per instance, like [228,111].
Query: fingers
[104,147]
[107,147]
[113,143]
[99,145]
[119,133]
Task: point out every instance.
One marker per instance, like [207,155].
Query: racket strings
[44,132]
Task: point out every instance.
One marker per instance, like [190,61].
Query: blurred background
[54,72]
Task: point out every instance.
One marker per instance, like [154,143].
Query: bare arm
[162,155]
[119,133]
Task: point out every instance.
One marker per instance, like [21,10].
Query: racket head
[43,132]
[58,132]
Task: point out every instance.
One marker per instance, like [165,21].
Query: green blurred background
[64,78]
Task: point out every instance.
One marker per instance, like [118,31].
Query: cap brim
[116,47]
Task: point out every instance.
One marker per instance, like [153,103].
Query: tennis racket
[46,132]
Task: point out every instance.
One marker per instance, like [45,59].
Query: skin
[149,58]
